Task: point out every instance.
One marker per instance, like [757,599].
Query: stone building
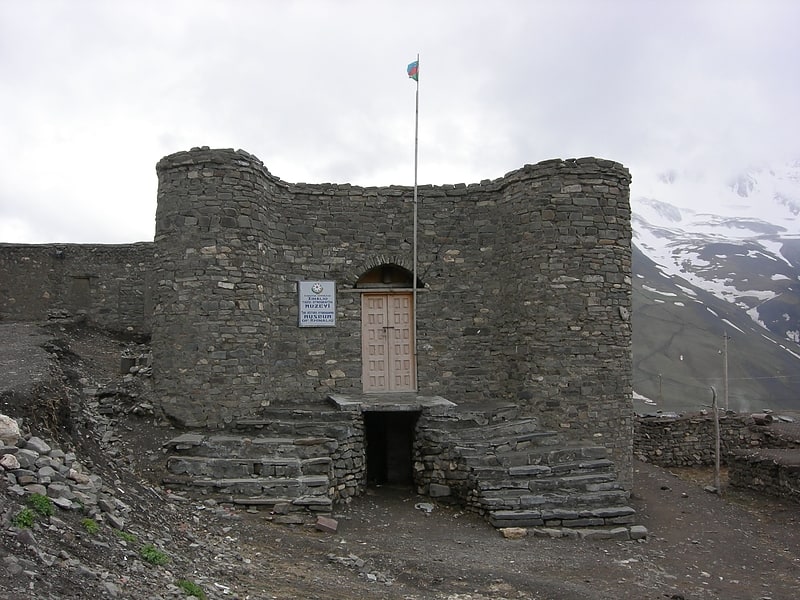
[273,304]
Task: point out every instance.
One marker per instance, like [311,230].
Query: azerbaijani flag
[413,70]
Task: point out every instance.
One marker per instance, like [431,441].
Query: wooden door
[387,322]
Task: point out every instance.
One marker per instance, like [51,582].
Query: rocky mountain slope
[718,258]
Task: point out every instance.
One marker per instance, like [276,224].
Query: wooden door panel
[387,343]
[374,350]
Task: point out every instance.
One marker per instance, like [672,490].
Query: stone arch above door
[356,277]
[386,277]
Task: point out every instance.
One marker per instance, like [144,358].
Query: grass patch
[190,588]
[124,535]
[153,555]
[91,526]
[24,519]
[41,504]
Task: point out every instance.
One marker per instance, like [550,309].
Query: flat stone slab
[186,440]
[515,515]
[529,471]
[391,402]
[326,524]
[617,533]
[609,512]
[312,501]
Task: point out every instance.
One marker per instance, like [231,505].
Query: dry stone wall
[109,285]
[689,440]
[349,464]
[772,472]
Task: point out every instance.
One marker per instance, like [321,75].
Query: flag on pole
[413,70]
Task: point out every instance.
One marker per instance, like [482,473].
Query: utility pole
[725,339]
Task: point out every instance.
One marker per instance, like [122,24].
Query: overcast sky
[94,93]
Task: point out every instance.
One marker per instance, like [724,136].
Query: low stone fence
[688,440]
[761,454]
[773,472]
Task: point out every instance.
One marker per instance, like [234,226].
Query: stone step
[609,516]
[597,482]
[557,460]
[470,418]
[300,413]
[320,412]
[592,482]
[515,499]
[512,442]
[247,467]
[287,505]
[240,446]
[303,504]
[285,428]
[506,429]
[480,415]
[566,454]
[267,487]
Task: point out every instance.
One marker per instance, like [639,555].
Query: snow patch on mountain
[726,235]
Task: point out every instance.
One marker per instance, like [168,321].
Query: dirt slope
[700,546]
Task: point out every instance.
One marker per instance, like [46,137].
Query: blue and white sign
[317,303]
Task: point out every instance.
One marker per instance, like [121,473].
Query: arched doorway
[387,330]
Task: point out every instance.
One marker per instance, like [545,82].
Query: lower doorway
[389,438]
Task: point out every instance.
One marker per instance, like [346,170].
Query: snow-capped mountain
[718,256]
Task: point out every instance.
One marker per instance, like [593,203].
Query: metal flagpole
[414,269]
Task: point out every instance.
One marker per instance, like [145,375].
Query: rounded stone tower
[210,321]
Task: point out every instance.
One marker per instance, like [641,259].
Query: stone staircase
[517,475]
[299,462]
[291,461]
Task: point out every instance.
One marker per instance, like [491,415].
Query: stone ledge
[634,532]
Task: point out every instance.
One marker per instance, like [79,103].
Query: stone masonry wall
[772,472]
[214,291]
[690,440]
[437,462]
[567,305]
[109,284]
[526,291]
[525,297]
[349,468]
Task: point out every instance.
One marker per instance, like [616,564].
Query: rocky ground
[103,443]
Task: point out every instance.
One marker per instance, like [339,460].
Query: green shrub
[41,504]
[124,535]
[153,555]
[191,589]
[24,519]
[91,526]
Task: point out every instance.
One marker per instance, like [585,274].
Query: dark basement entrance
[389,437]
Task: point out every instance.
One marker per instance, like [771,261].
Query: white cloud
[100,91]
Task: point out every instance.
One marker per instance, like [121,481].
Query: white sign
[317,303]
